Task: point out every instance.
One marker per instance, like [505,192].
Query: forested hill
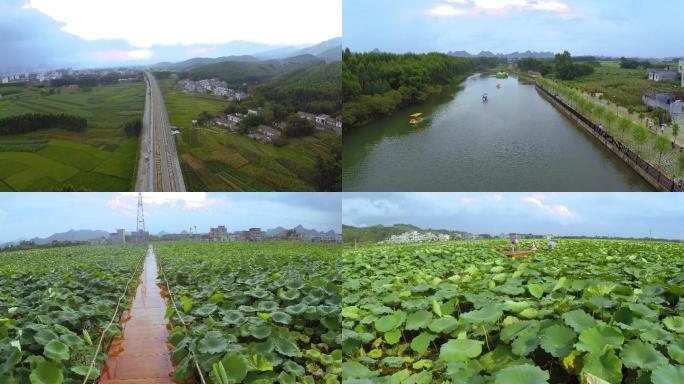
[314,89]
[377,84]
[237,72]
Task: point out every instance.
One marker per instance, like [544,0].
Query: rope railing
[111,321]
[644,165]
[180,317]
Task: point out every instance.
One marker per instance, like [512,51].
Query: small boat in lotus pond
[416,118]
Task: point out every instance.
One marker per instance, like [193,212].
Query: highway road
[159,169]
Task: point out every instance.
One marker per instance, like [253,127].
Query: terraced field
[100,159]
[589,311]
[217,161]
[54,304]
[255,312]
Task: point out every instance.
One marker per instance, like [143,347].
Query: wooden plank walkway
[140,355]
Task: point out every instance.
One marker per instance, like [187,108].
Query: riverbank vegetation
[377,84]
[621,82]
[650,146]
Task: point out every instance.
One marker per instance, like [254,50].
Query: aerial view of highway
[158,168]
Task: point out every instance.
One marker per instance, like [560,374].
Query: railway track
[159,168]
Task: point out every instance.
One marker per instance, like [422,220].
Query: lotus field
[589,311]
[254,312]
[54,304]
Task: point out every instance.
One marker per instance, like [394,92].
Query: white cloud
[444,10]
[127,201]
[549,6]
[554,209]
[498,4]
[474,7]
[169,22]
[119,55]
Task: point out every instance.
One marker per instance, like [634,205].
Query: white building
[417,237]
[5,80]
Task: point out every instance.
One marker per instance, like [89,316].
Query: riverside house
[672,102]
[667,74]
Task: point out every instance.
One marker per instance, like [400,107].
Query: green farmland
[621,86]
[101,159]
[216,161]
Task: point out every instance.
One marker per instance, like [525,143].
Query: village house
[235,118]
[667,74]
[321,119]
[672,102]
[308,116]
[254,111]
[268,131]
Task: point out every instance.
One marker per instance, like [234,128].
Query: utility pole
[141,216]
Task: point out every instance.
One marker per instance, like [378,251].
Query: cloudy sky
[28,215]
[604,214]
[48,33]
[643,28]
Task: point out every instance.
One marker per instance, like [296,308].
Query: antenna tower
[141,216]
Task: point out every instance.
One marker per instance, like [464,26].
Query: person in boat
[551,245]
[485,98]
[514,242]
[534,246]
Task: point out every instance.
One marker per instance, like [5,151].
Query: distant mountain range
[305,233]
[70,235]
[328,51]
[89,234]
[254,70]
[514,55]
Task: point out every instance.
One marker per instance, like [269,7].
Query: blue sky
[42,34]
[604,214]
[641,28]
[28,215]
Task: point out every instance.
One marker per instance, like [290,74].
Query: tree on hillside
[600,112]
[567,69]
[675,131]
[623,125]
[640,135]
[204,118]
[662,145]
[610,118]
[297,126]
[133,126]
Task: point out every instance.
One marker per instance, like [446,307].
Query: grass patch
[5,188]
[621,86]
[11,167]
[86,180]
[26,145]
[102,151]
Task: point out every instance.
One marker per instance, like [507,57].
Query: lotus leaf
[521,374]
[558,340]
[637,354]
[668,374]
[604,365]
[212,342]
[460,350]
[595,338]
